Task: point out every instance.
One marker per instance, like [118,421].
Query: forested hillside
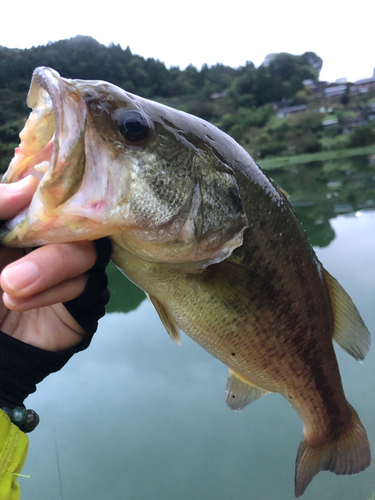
[241,101]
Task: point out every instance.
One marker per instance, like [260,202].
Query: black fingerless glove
[89,307]
[22,366]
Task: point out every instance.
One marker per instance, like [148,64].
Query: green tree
[314,61]
[362,136]
[282,75]
[345,98]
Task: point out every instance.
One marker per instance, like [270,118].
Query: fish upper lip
[34,154]
[54,128]
[40,79]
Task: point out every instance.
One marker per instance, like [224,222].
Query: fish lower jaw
[45,230]
[38,225]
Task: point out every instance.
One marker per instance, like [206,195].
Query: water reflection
[136,417]
[125,296]
[321,191]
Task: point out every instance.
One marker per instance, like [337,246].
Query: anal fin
[172,329]
[349,331]
[240,393]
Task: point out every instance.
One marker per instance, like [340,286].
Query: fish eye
[133,126]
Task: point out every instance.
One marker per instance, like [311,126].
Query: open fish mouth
[33,155]
[52,149]
[52,141]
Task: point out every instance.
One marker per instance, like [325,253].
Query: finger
[46,267]
[15,196]
[63,292]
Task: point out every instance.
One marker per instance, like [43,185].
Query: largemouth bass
[209,237]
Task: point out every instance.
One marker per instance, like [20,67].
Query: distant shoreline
[275,163]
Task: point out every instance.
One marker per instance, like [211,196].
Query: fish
[214,243]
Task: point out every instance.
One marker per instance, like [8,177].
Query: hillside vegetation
[244,102]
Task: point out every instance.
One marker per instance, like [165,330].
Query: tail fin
[348,454]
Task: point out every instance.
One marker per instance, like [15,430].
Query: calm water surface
[137,417]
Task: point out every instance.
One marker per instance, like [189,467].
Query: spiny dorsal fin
[349,330]
[240,393]
[281,190]
[349,453]
[167,321]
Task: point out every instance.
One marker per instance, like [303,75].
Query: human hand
[36,283]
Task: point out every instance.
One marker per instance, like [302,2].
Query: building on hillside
[334,92]
[364,85]
[309,84]
[291,110]
[330,122]
[218,95]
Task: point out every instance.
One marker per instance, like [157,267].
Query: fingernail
[20,276]
[9,301]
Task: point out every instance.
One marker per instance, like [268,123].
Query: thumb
[15,196]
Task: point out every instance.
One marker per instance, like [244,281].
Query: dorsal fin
[240,393]
[172,329]
[349,330]
[281,190]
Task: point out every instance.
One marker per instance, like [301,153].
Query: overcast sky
[199,32]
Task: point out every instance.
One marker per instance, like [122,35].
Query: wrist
[23,366]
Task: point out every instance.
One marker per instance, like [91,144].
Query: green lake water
[136,417]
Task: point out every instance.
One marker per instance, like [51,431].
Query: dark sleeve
[22,365]
[89,307]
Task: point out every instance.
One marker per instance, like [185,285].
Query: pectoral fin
[172,329]
[349,330]
[239,289]
[240,393]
